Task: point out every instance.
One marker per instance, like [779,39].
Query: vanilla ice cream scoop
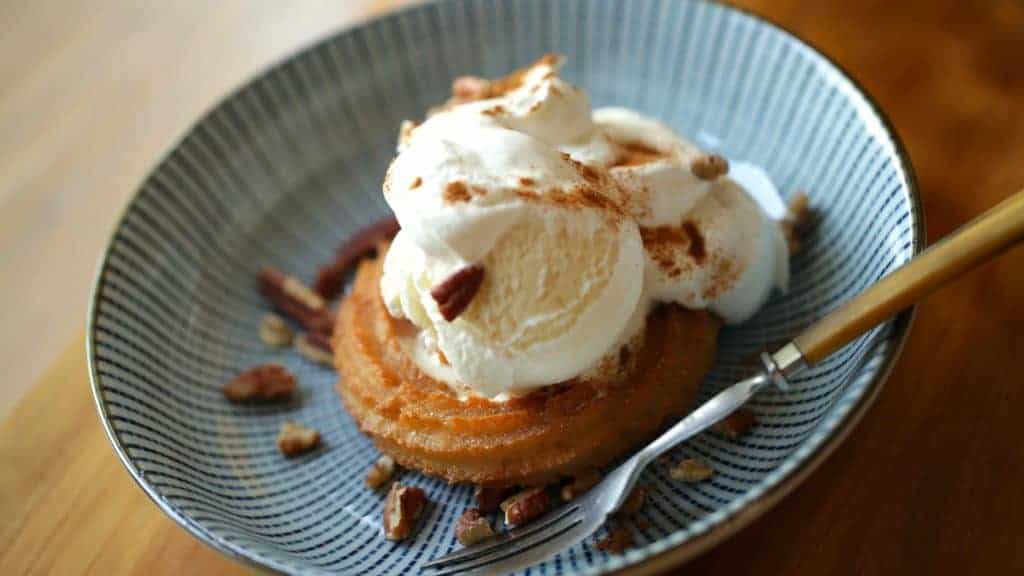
[579,221]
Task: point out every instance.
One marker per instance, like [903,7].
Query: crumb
[295,439]
[264,383]
[691,470]
[381,471]
[275,332]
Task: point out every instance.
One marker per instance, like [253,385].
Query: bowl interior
[286,168]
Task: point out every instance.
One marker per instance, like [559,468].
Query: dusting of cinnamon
[528,195]
[665,245]
[456,192]
[514,80]
[588,173]
[696,249]
[416,183]
[636,154]
[724,275]
[527,181]
[494,110]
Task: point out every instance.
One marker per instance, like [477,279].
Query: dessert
[554,294]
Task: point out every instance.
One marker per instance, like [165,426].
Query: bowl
[291,164]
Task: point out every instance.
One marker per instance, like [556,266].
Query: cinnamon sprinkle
[636,154]
[456,192]
[696,249]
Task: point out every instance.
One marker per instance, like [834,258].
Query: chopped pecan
[525,506]
[489,497]
[455,293]
[264,383]
[331,277]
[472,527]
[634,502]
[315,346]
[617,541]
[294,299]
[295,439]
[275,332]
[735,424]
[691,470]
[381,471]
[709,166]
[579,485]
[402,508]
[798,221]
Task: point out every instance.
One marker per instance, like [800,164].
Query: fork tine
[502,539]
[516,547]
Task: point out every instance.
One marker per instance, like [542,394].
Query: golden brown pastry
[559,431]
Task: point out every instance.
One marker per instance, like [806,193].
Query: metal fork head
[545,536]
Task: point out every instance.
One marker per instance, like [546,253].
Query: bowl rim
[680,546]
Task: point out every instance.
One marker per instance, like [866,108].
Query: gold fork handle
[978,241]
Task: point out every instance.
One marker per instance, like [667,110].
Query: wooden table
[930,482]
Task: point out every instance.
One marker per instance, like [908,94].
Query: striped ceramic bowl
[290,165]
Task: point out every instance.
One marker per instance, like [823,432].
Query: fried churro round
[562,430]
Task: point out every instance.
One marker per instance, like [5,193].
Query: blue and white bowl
[291,164]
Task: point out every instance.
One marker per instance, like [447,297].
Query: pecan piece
[735,424]
[709,166]
[472,527]
[488,498]
[296,300]
[455,293]
[381,471]
[525,506]
[402,508]
[579,485]
[634,502]
[315,346]
[617,541]
[295,439]
[798,221]
[691,470]
[264,383]
[275,332]
[331,277]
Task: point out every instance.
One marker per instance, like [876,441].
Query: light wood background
[91,93]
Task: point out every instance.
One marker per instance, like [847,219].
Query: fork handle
[978,241]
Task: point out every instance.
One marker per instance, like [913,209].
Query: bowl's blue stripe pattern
[290,165]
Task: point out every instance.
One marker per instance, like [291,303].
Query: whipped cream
[581,221]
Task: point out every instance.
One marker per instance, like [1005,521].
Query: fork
[982,239]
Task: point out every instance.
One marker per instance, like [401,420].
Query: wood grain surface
[929,482]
